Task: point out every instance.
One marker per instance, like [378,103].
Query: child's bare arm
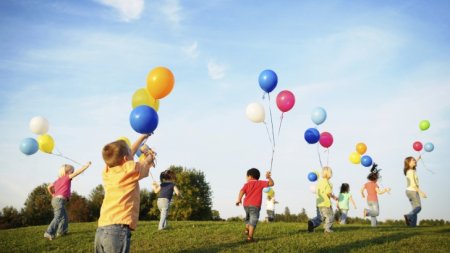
[353,202]
[80,170]
[239,200]
[269,177]
[50,189]
[156,187]
[177,192]
[137,143]
[145,165]
[362,192]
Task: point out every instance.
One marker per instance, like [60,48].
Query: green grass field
[190,236]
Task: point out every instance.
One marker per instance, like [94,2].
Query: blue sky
[377,68]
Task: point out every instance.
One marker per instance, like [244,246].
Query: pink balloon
[417,146]
[326,139]
[285,100]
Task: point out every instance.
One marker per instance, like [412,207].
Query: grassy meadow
[208,236]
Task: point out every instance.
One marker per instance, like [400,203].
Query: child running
[253,198]
[167,188]
[343,202]
[373,190]
[270,205]
[413,192]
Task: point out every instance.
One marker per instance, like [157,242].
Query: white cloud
[128,9]
[192,50]
[172,10]
[215,70]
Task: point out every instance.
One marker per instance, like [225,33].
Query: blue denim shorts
[251,215]
[113,238]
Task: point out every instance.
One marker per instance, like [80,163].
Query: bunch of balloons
[145,101]
[29,146]
[312,135]
[358,156]
[417,145]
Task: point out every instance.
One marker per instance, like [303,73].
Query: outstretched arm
[177,192]
[353,202]
[80,170]
[362,192]
[239,200]
[269,177]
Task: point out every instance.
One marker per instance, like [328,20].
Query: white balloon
[312,188]
[255,112]
[39,125]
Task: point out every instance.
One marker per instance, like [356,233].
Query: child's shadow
[227,246]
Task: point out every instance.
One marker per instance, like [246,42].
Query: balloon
[361,148]
[268,80]
[424,125]
[355,157]
[266,190]
[39,125]
[144,119]
[160,82]
[312,135]
[46,143]
[29,146]
[312,176]
[326,139]
[142,97]
[255,112]
[429,147]
[126,140]
[366,161]
[318,115]
[271,193]
[417,146]
[312,188]
[285,100]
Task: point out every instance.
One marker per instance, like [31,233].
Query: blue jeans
[112,238]
[163,206]
[251,215]
[323,214]
[60,222]
[344,216]
[373,212]
[414,199]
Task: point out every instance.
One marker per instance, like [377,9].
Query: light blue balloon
[428,147]
[266,190]
[29,146]
[318,115]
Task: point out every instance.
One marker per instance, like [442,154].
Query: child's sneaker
[250,239]
[310,226]
[48,236]
[406,220]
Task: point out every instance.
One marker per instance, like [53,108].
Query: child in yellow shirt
[120,208]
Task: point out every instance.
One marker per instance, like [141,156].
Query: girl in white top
[413,192]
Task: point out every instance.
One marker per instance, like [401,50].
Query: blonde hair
[65,169]
[114,152]
[327,172]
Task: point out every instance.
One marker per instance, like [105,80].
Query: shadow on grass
[227,246]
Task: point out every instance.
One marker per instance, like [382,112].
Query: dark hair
[345,188]
[374,173]
[406,164]
[114,152]
[167,175]
[254,173]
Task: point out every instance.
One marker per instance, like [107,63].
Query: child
[323,202]
[372,190]
[413,191]
[60,191]
[120,209]
[344,197]
[167,188]
[253,198]
[270,205]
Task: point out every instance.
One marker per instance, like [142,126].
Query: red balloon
[285,100]
[326,139]
[417,146]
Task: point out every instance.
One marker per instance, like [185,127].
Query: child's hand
[268,174]
[88,164]
[238,203]
[155,184]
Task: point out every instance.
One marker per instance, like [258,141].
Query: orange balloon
[361,148]
[160,82]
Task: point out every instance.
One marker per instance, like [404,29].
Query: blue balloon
[266,190]
[268,80]
[366,161]
[312,135]
[144,119]
[312,176]
[318,115]
[428,147]
[29,146]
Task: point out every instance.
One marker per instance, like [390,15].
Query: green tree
[78,208]
[195,201]
[146,204]
[215,215]
[38,208]
[95,201]
[10,218]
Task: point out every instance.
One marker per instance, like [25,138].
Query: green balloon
[424,125]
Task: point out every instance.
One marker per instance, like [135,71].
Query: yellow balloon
[143,97]
[126,140]
[355,157]
[46,143]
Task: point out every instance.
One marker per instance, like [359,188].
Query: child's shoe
[250,239]
[310,226]
[48,236]
[407,220]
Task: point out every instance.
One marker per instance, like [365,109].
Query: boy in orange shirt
[120,209]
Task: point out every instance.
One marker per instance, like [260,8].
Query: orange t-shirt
[371,188]
[122,199]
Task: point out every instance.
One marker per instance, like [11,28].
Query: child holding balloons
[343,202]
[413,192]
[60,190]
[253,199]
[324,193]
[373,190]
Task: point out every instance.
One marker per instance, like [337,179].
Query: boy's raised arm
[269,177]
[137,143]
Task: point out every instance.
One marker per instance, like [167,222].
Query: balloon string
[424,165]
[281,121]
[268,134]
[65,157]
[271,161]
[318,154]
[271,121]
[328,155]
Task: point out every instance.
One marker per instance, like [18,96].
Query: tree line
[194,203]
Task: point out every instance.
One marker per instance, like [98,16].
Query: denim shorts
[251,215]
[113,238]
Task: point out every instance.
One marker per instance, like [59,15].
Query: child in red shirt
[253,198]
